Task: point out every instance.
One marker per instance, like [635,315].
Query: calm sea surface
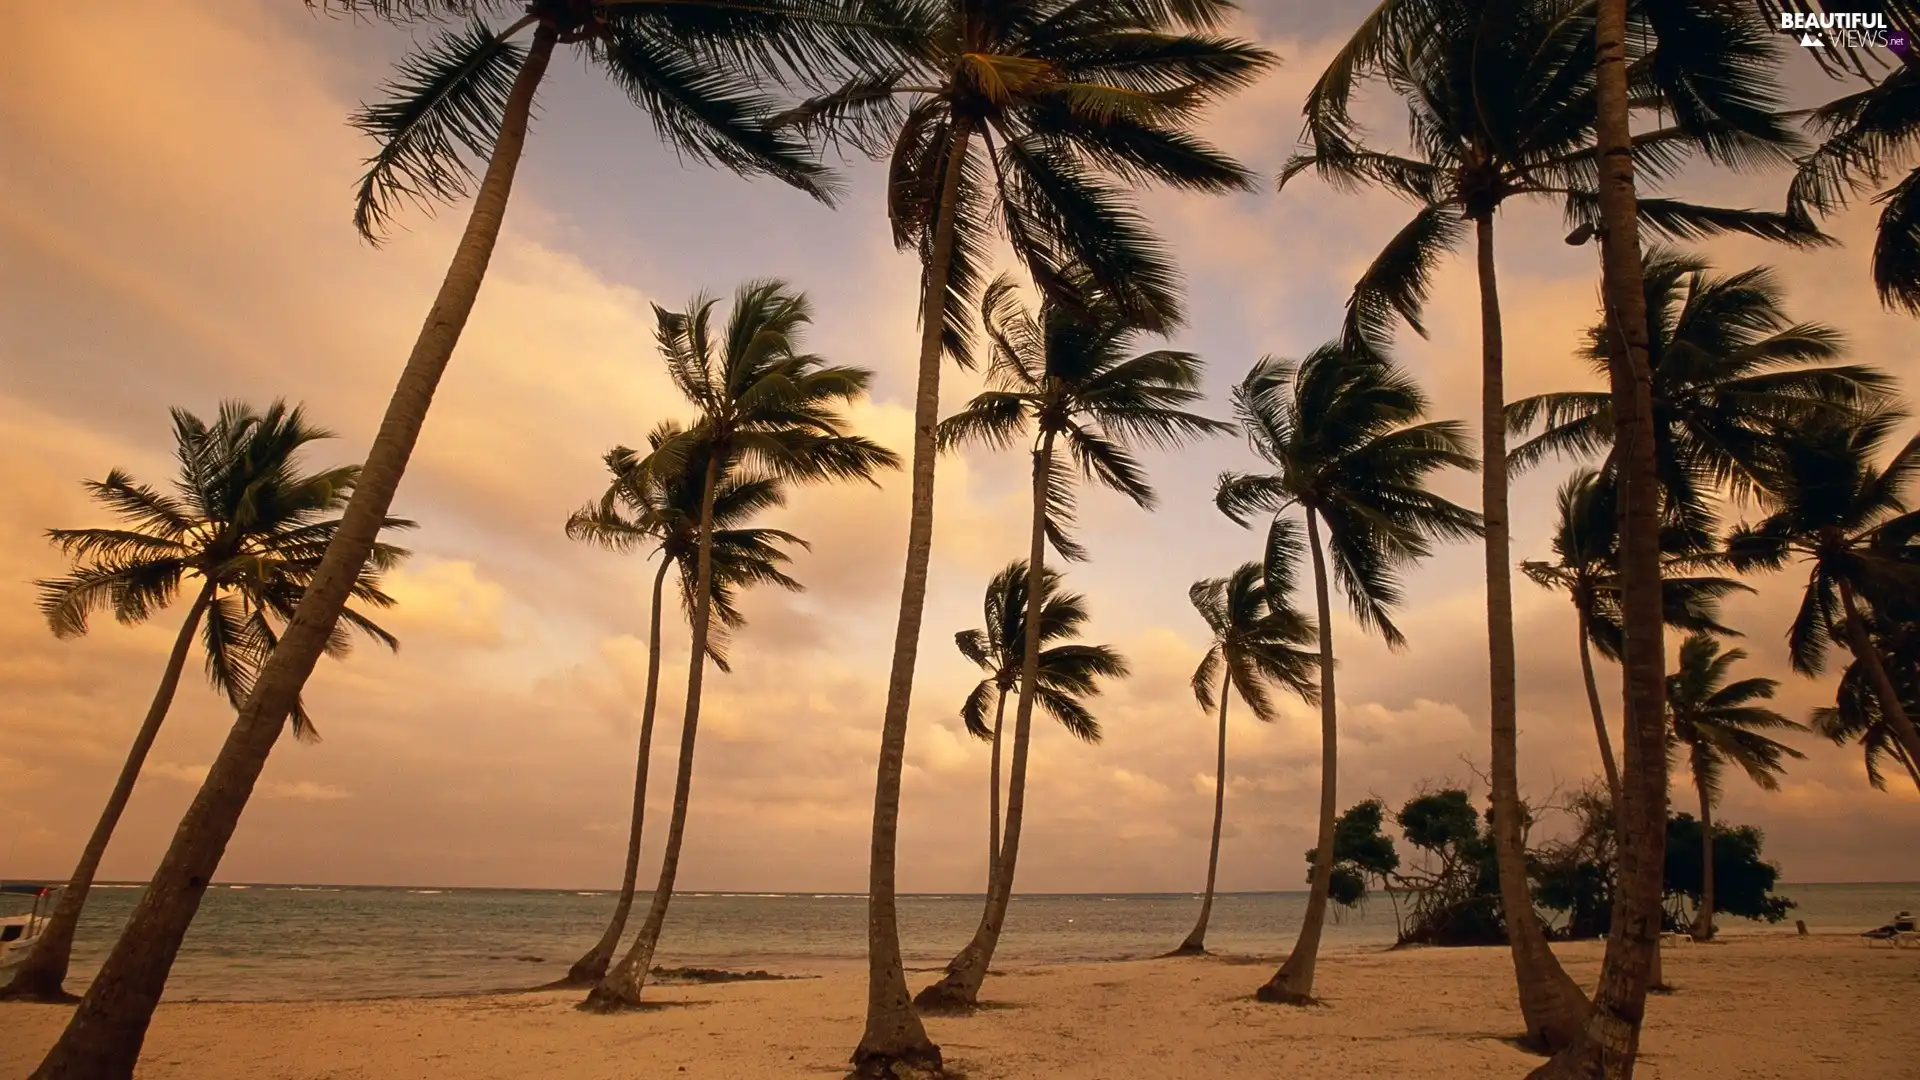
[270,942]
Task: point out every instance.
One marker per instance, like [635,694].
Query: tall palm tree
[768,410]
[1586,546]
[1845,516]
[1474,149]
[1720,724]
[1259,643]
[1064,379]
[1344,435]
[1031,114]
[661,515]
[1067,672]
[244,527]
[1733,376]
[1855,715]
[695,67]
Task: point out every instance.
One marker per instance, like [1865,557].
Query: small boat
[18,932]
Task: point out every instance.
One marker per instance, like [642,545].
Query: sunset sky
[174,230]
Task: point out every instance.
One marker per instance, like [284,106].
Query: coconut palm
[1068,672]
[244,529]
[1064,379]
[661,515]
[1847,518]
[1259,644]
[1733,376]
[768,410]
[1855,715]
[1473,150]
[1586,546]
[696,68]
[1035,115]
[1721,723]
[1349,450]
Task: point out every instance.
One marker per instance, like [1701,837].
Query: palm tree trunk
[592,967]
[40,975]
[894,1034]
[1703,919]
[1551,1004]
[993,792]
[1891,707]
[1293,983]
[1609,1040]
[1599,714]
[960,989]
[102,1039]
[1196,942]
[621,988]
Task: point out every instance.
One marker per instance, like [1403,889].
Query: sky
[175,231]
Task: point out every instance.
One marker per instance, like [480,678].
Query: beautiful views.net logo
[1844,30]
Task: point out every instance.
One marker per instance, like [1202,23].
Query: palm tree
[1259,643]
[1855,715]
[1733,376]
[1533,137]
[695,67]
[1024,113]
[768,410]
[1846,516]
[1067,672]
[661,515]
[1720,724]
[248,527]
[1586,544]
[1065,379]
[1349,452]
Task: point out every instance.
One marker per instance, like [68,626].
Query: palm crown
[1066,375]
[244,520]
[1072,103]
[1856,715]
[1260,640]
[1342,432]
[1719,722]
[1068,672]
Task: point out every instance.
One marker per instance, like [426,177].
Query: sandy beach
[1755,1006]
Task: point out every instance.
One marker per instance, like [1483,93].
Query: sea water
[279,942]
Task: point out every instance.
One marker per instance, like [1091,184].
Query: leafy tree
[1360,852]
[1742,882]
[243,529]
[1345,437]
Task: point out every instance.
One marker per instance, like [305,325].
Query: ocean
[279,942]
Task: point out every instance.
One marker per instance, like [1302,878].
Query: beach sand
[1754,1006]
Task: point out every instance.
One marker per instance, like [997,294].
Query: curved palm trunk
[1550,1003]
[1293,983]
[592,967]
[1609,1040]
[894,1034]
[102,1040]
[993,792]
[621,988]
[1703,919]
[40,975]
[960,989]
[1891,707]
[1196,942]
[1599,714]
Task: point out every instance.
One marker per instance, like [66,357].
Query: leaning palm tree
[1733,376]
[1855,716]
[1344,435]
[1846,516]
[1720,724]
[1476,147]
[767,410]
[244,528]
[1033,115]
[1259,644]
[1066,380]
[1068,672]
[661,516]
[696,68]
[1586,546]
